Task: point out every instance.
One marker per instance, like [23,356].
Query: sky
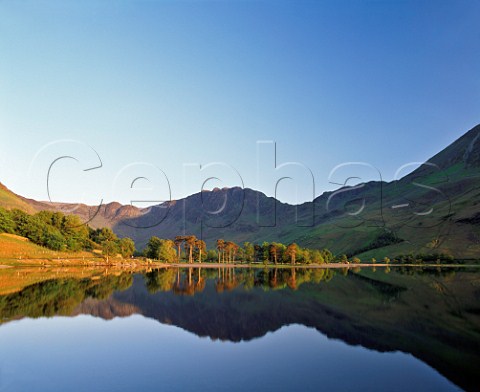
[142,101]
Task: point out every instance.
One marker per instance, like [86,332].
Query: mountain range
[434,209]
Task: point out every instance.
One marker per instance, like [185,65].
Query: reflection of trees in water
[292,279]
[279,278]
[429,271]
[60,296]
[200,284]
[226,280]
[175,280]
[160,280]
[184,285]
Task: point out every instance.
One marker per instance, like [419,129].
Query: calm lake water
[240,330]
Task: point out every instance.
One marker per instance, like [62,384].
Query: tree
[211,255]
[29,226]
[160,249]
[344,259]
[292,252]
[202,247]
[265,252]
[229,248]
[273,249]
[109,242]
[307,257]
[221,249]
[258,253]
[7,225]
[55,224]
[127,247]
[52,239]
[73,229]
[189,245]
[151,250]
[166,251]
[248,251]
[178,243]
[109,248]
[317,257]
[327,255]
[356,260]
[235,249]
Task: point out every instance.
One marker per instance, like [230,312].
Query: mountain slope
[434,209]
[105,215]
[10,200]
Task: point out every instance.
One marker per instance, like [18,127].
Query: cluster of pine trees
[193,249]
[276,252]
[60,232]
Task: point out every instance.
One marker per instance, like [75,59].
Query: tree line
[192,249]
[60,232]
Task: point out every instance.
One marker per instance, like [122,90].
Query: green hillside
[18,248]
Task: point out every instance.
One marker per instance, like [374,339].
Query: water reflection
[191,281]
[430,313]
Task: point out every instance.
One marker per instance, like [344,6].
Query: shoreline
[135,265]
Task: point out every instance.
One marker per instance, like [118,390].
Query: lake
[240,329]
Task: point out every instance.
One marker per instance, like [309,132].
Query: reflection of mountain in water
[106,309]
[435,316]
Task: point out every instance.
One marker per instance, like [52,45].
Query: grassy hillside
[10,200]
[450,227]
[14,247]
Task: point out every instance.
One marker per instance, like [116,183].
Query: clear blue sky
[169,83]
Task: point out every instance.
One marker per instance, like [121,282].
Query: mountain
[236,218]
[105,215]
[434,209]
